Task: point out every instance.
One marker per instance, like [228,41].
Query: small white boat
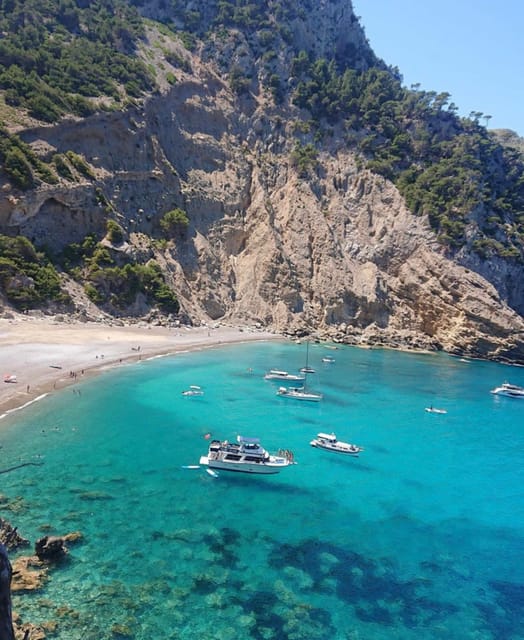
[299,393]
[329,442]
[246,455]
[10,378]
[277,374]
[509,390]
[435,410]
[212,473]
[328,359]
[194,390]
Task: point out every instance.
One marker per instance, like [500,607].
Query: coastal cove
[418,537]
[45,355]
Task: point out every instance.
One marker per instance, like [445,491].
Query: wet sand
[44,354]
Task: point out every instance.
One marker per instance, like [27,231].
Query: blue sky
[472,50]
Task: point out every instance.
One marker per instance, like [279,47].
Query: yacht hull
[243,467]
[347,452]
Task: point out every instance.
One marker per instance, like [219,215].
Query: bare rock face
[334,252]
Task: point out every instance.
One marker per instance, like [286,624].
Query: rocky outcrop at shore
[26,573]
[10,537]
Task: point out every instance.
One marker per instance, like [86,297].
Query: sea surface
[420,537]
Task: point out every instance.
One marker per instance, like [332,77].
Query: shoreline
[46,355]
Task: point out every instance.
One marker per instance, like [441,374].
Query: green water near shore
[421,536]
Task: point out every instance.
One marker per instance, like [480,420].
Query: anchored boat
[194,390]
[329,442]
[284,376]
[299,393]
[510,390]
[245,455]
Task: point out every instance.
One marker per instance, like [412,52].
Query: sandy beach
[42,355]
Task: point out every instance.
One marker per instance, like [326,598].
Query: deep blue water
[421,536]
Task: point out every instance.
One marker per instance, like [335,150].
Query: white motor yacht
[246,455]
[329,442]
[510,390]
[284,376]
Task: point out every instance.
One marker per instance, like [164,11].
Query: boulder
[50,548]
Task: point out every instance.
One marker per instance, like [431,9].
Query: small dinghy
[435,410]
[194,390]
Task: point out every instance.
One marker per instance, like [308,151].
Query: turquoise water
[419,537]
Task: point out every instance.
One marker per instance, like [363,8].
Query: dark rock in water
[50,548]
[6,620]
[10,537]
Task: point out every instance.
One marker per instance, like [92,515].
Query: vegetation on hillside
[55,57]
[113,279]
[27,278]
[79,57]
[448,168]
[21,164]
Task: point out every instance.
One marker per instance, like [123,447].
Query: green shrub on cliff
[120,286]
[174,221]
[80,164]
[115,233]
[21,164]
[304,158]
[62,167]
[18,168]
[27,278]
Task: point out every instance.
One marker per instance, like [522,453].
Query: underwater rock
[53,548]
[29,631]
[10,537]
[28,574]
[50,548]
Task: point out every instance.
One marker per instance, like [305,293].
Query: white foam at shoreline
[37,399]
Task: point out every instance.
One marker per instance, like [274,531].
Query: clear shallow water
[422,536]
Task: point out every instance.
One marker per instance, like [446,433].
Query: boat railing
[287,454]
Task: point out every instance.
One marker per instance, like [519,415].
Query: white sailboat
[299,393]
[307,368]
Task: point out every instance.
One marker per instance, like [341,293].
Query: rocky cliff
[333,251]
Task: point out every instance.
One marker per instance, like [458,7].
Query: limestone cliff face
[335,253]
